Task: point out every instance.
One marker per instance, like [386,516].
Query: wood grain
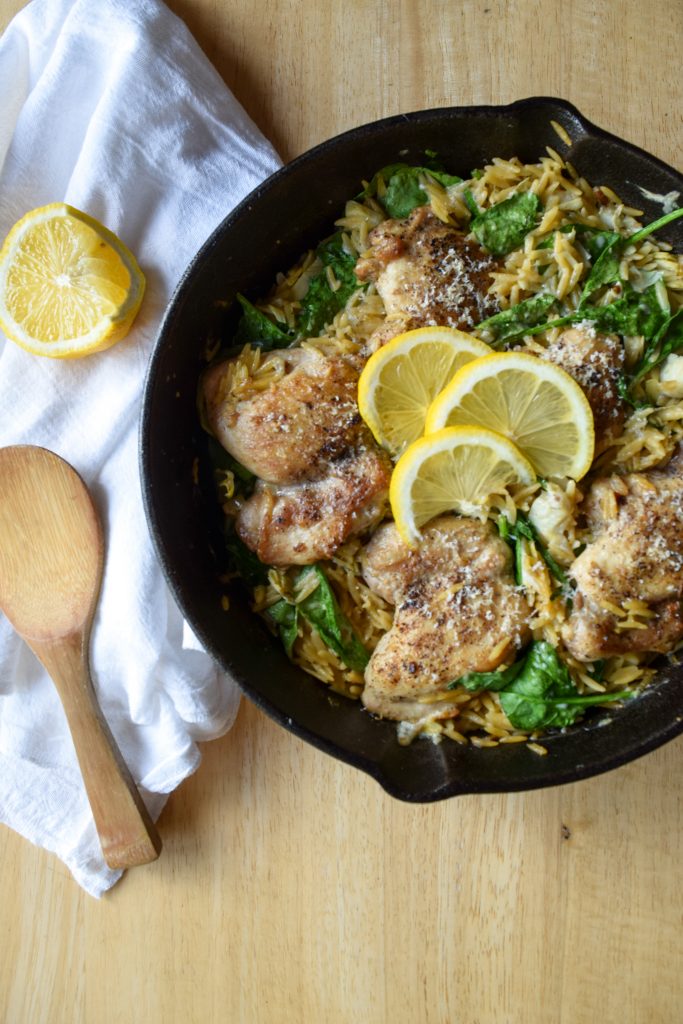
[291,888]
[51,561]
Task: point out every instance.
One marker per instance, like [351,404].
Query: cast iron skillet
[266,233]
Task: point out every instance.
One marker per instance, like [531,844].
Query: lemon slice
[68,286]
[401,379]
[456,468]
[534,403]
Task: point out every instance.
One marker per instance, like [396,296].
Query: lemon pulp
[401,379]
[534,403]
[454,469]
[68,286]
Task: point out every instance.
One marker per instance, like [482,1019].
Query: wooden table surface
[291,888]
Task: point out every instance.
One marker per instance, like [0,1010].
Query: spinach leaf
[595,242]
[403,191]
[321,303]
[256,328]
[286,616]
[443,177]
[243,561]
[503,227]
[528,530]
[524,529]
[605,270]
[321,609]
[624,384]
[537,692]
[606,267]
[668,339]
[543,679]
[476,681]
[471,203]
[633,313]
[509,533]
[542,694]
[517,320]
[549,242]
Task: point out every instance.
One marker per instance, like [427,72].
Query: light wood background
[291,889]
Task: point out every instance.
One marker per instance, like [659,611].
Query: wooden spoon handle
[127,833]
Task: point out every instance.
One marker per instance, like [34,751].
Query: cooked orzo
[519,607]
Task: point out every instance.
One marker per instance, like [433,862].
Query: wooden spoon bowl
[51,562]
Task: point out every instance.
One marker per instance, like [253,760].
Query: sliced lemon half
[454,469]
[533,403]
[400,380]
[68,286]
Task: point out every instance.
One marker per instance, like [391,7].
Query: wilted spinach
[669,339]
[633,313]
[321,302]
[403,190]
[516,321]
[256,328]
[471,202]
[592,239]
[606,268]
[503,227]
[318,307]
[322,611]
[286,616]
[537,691]
[523,529]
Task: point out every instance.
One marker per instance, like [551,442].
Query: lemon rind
[109,330]
[442,441]
[401,345]
[473,372]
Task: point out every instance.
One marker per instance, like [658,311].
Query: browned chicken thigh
[637,556]
[303,522]
[427,273]
[291,430]
[457,611]
[595,361]
[321,476]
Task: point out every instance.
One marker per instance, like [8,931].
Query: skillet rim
[392,780]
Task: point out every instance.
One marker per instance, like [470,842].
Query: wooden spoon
[51,560]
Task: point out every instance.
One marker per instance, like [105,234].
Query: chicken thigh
[321,477]
[595,361]
[457,610]
[637,556]
[427,273]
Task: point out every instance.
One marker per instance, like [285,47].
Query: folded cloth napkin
[110,105]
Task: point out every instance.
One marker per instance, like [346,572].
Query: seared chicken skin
[321,476]
[457,611]
[301,523]
[637,556]
[595,361]
[427,273]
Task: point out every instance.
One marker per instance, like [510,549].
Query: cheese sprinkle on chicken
[453,606]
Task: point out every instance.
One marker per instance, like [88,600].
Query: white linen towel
[111,106]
